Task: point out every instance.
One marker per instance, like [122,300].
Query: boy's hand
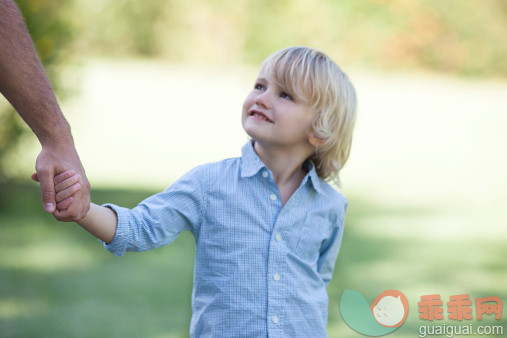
[99,221]
[66,185]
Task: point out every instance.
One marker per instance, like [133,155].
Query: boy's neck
[285,164]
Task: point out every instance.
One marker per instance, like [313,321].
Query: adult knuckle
[47,195]
[42,169]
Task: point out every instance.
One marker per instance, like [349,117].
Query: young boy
[267,226]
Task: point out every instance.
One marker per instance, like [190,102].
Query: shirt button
[273,197]
[275,319]
[264,174]
[278,237]
[276,277]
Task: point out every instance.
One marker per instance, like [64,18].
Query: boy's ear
[315,141]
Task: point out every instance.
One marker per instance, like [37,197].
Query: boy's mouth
[259,115]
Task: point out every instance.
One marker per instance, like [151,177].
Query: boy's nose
[262,100]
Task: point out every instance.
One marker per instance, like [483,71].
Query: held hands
[100,221]
[66,186]
[60,196]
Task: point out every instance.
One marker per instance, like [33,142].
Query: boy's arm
[330,249]
[154,222]
[100,222]
[327,258]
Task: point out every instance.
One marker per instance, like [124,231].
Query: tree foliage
[459,37]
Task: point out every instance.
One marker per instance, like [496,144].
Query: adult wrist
[57,136]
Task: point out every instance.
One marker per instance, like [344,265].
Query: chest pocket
[307,239]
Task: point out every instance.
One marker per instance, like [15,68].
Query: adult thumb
[47,190]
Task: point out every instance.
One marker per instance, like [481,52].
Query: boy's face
[274,117]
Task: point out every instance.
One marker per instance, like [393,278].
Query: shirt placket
[275,263]
[276,272]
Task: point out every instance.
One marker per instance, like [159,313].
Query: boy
[267,226]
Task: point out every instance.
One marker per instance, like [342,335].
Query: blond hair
[312,76]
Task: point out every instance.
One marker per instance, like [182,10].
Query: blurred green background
[152,89]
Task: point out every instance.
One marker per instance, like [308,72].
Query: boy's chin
[254,130]
[254,135]
[250,132]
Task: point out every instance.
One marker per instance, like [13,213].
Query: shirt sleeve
[159,219]
[330,249]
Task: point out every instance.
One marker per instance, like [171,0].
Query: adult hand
[54,160]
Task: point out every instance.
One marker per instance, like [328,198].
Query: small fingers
[73,212]
[67,183]
[66,193]
[63,215]
[63,176]
[68,214]
[64,204]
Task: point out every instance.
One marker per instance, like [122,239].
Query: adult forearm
[23,80]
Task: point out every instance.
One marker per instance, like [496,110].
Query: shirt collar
[312,175]
[251,164]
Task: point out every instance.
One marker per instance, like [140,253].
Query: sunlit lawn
[57,280]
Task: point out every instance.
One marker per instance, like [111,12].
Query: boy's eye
[258,86]
[285,96]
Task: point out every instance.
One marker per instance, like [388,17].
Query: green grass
[57,281]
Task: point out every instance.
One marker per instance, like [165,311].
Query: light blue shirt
[260,269]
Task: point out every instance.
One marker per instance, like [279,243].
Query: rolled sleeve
[118,246]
